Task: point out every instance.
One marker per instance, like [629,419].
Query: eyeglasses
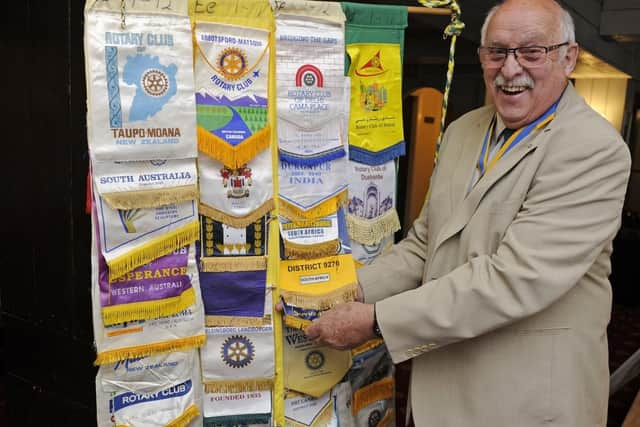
[527,56]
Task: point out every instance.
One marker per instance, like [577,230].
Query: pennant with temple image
[141,338]
[238,359]
[247,409]
[372,214]
[160,288]
[310,81]
[139,81]
[236,196]
[130,238]
[318,283]
[148,392]
[231,68]
[374,43]
[226,248]
[145,184]
[310,192]
[236,298]
[304,411]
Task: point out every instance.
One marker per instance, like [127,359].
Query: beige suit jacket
[501,295]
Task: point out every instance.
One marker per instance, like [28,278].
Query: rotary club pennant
[374,39]
[160,288]
[366,254]
[372,214]
[310,81]
[311,369]
[373,404]
[227,248]
[310,238]
[163,397]
[341,395]
[238,359]
[235,298]
[145,184]
[247,408]
[231,67]
[236,196]
[130,238]
[305,411]
[140,81]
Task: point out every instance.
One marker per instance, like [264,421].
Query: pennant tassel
[238,386]
[113,356]
[237,222]
[372,231]
[184,419]
[231,156]
[379,390]
[150,198]
[236,263]
[296,250]
[323,209]
[148,309]
[156,248]
[325,301]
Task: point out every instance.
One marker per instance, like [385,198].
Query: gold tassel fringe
[235,221]
[156,248]
[148,309]
[146,199]
[369,345]
[326,208]
[326,301]
[233,157]
[181,344]
[233,263]
[379,390]
[319,250]
[296,322]
[184,419]
[372,231]
[238,386]
[238,321]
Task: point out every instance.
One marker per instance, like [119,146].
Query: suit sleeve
[570,214]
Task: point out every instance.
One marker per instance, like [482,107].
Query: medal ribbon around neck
[513,140]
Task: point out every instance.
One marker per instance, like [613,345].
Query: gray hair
[567,27]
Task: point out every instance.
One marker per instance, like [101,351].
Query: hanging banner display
[160,288]
[238,359]
[374,41]
[372,214]
[310,238]
[310,81]
[318,283]
[231,68]
[309,192]
[311,369]
[366,254]
[250,409]
[236,197]
[140,81]
[130,238]
[341,395]
[306,411]
[145,184]
[235,298]
[157,404]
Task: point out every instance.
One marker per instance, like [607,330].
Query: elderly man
[500,292]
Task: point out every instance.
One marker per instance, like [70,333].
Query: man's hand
[344,327]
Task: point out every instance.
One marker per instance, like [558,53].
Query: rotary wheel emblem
[374,418]
[314,360]
[155,83]
[237,351]
[233,63]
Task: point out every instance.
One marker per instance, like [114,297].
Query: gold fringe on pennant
[238,321]
[323,419]
[237,221]
[148,309]
[372,231]
[238,386]
[387,420]
[156,248]
[184,419]
[379,390]
[146,199]
[319,250]
[326,301]
[326,208]
[233,157]
[112,356]
[235,263]
[296,322]
[369,345]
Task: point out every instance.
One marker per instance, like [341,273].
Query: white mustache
[500,81]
